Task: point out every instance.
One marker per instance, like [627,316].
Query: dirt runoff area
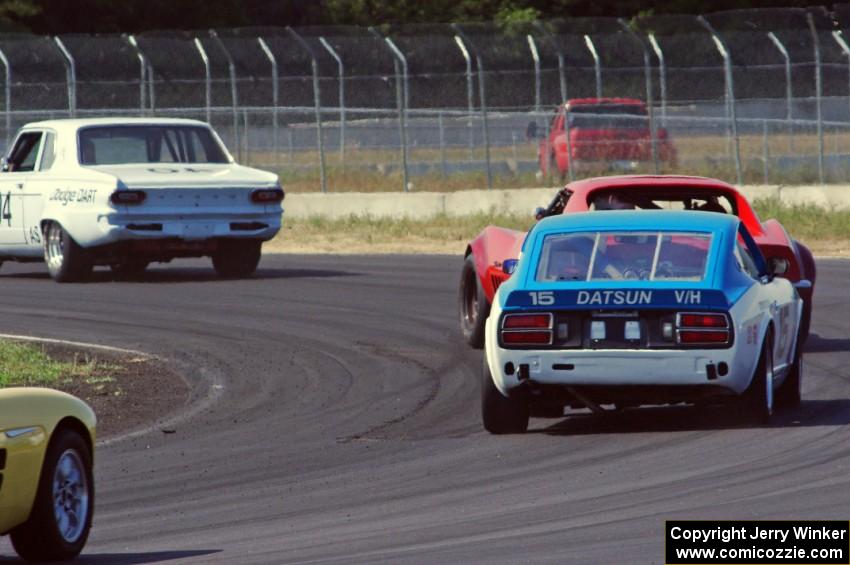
[127,392]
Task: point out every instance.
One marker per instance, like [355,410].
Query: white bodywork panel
[766,301]
[191,201]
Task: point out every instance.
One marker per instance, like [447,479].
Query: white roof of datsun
[74,124]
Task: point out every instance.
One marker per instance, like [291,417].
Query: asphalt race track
[335,419]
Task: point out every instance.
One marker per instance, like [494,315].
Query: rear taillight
[128,197]
[527,329]
[702,321]
[697,328]
[267,196]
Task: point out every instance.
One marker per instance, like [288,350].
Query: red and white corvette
[490,257]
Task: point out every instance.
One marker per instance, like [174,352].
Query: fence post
[143,64]
[789,86]
[275,99]
[562,72]
[482,93]
[400,66]
[317,98]
[151,89]
[818,93]
[765,152]
[647,72]
[596,64]
[208,80]
[662,76]
[71,75]
[341,68]
[8,95]
[442,144]
[234,99]
[839,38]
[535,55]
[470,88]
[730,94]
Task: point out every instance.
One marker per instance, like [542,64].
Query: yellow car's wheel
[61,516]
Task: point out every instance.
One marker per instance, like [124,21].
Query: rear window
[608,116]
[593,256]
[115,145]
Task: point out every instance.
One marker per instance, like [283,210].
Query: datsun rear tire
[789,393]
[501,414]
[66,260]
[61,516]
[758,397]
[472,305]
[237,258]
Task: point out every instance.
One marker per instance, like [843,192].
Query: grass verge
[25,364]
[827,232]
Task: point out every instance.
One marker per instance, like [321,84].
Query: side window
[24,153]
[48,155]
[750,255]
[746,259]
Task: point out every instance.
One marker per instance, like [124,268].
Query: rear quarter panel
[490,249]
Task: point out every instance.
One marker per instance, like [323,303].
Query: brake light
[527,329]
[527,338]
[267,195]
[702,321]
[527,321]
[697,328]
[710,336]
[128,197]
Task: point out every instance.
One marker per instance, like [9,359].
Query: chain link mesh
[757,95]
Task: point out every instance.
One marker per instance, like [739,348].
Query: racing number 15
[542,298]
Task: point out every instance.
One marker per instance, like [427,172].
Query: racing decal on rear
[601,299]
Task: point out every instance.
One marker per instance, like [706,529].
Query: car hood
[186,175]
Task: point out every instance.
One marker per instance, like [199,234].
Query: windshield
[608,116]
[115,145]
[654,256]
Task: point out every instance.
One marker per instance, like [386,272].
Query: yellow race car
[46,481]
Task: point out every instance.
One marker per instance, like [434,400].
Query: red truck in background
[610,133]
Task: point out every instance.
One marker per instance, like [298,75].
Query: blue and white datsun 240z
[125,192]
[630,308]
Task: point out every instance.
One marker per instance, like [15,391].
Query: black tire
[808,271]
[66,260]
[234,259]
[501,414]
[41,538]
[758,398]
[788,395]
[805,322]
[129,268]
[472,305]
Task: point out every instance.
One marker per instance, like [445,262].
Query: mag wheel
[235,259]
[501,414]
[66,260]
[473,308]
[61,516]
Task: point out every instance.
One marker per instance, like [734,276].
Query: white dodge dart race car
[131,191]
[629,308]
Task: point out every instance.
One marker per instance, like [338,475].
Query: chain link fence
[745,95]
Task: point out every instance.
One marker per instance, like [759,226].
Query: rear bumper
[118,227]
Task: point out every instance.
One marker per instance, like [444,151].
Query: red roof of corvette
[581,189]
